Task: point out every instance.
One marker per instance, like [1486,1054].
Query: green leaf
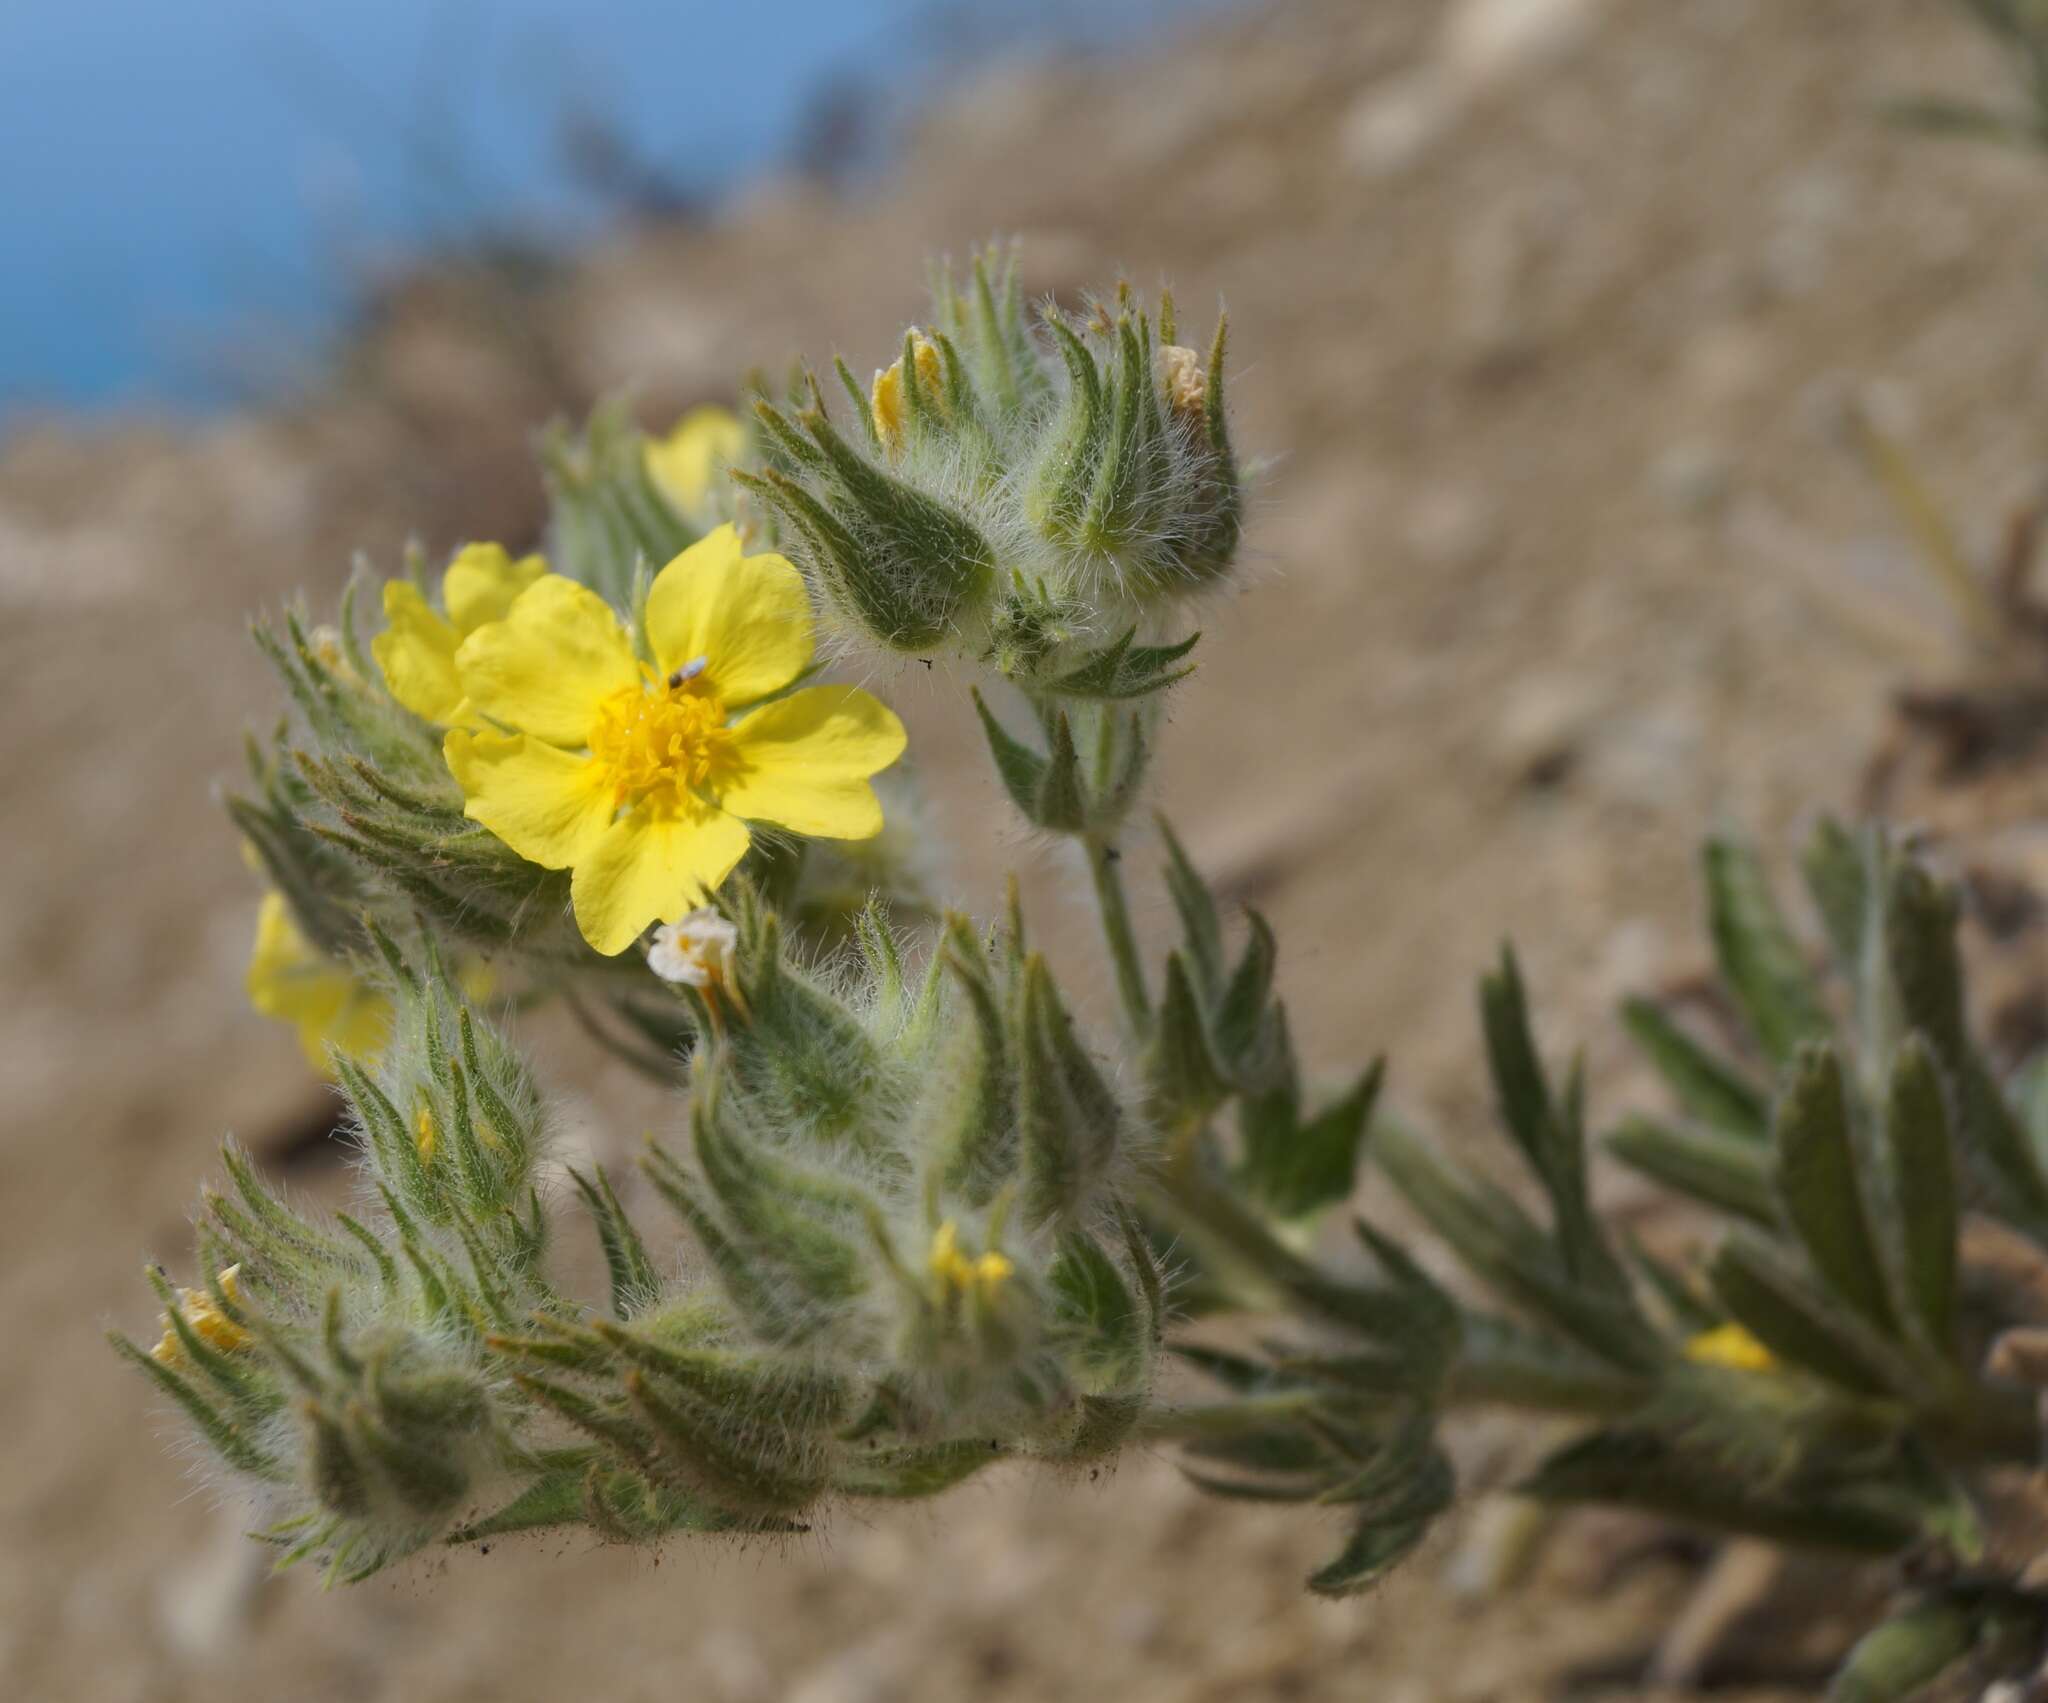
[1636,1467]
[1724,1171]
[1550,1133]
[635,1282]
[1316,1164]
[1920,922]
[1705,1086]
[553,1499]
[1900,1657]
[1924,1185]
[1775,1306]
[1760,960]
[1200,925]
[1061,806]
[1839,879]
[1390,1525]
[1123,669]
[1020,768]
[1092,1299]
[1505,1249]
[1240,1014]
[1821,1186]
[1185,1085]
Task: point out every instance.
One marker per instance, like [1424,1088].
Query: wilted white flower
[695,951]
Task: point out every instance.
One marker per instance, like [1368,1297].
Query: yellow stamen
[959,1274]
[660,739]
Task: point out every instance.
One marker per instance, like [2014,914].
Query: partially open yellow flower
[1732,1346]
[702,444]
[641,780]
[417,648]
[208,1322]
[289,978]
[885,395]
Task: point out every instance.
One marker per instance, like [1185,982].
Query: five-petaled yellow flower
[643,780]
[417,648]
[683,465]
[290,979]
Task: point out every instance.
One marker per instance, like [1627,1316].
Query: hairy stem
[1110,901]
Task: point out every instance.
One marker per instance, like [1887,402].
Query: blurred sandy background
[1547,316]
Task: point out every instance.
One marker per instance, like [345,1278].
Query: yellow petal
[683,464]
[482,582]
[547,804]
[547,666]
[416,651]
[652,867]
[803,762]
[748,617]
[325,1001]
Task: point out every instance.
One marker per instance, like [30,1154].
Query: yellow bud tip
[1732,1346]
[885,398]
[425,1133]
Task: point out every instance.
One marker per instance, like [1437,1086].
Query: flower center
[661,739]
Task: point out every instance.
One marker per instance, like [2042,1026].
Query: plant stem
[1116,930]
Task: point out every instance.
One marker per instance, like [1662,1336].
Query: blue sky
[182,182]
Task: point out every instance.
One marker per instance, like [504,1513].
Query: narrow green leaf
[1725,1171]
[1775,1306]
[634,1279]
[1924,1185]
[1021,769]
[1060,805]
[1760,960]
[1200,925]
[1707,1087]
[1820,1184]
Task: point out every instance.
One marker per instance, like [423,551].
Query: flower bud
[1135,472]
[903,568]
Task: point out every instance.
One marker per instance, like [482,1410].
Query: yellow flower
[701,445]
[417,648]
[1732,1346]
[641,780]
[289,979]
[957,1273]
[208,1322]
